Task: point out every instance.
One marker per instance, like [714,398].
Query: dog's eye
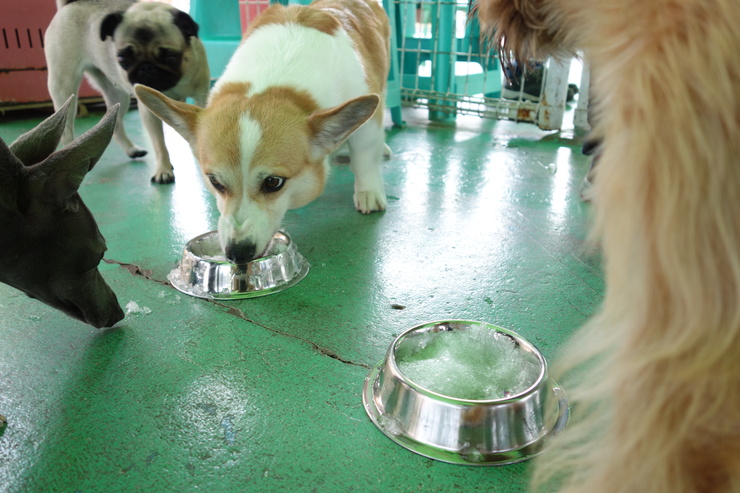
[126,57]
[216,184]
[169,57]
[272,184]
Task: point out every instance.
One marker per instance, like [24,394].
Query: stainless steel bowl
[496,431]
[204,272]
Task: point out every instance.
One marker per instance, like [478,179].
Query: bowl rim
[186,288]
[519,340]
[200,237]
[461,457]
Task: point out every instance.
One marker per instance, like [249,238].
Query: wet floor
[484,222]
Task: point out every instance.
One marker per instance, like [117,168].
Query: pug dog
[119,43]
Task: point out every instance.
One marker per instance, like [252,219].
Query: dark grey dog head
[152,43]
[50,245]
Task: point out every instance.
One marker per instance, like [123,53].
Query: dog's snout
[240,253]
[149,74]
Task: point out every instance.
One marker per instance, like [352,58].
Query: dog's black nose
[151,75]
[240,253]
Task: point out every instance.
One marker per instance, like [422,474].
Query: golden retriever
[654,377]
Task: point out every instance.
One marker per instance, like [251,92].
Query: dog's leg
[62,83]
[153,125]
[64,74]
[200,98]
[366,149]
[113,95]
[387,153]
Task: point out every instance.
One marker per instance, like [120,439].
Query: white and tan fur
[304,79]
[657,406]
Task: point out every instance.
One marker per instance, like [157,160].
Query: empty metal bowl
[509,425]
[204,272]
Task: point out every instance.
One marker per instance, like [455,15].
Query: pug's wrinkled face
[152,43]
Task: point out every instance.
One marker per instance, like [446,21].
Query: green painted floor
[484,222]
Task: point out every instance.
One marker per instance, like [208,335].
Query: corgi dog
[303,80]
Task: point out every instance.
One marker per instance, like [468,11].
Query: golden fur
[654,378]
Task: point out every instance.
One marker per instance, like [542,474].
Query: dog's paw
[387,153]
[163,177]
[367,202]
[136,152]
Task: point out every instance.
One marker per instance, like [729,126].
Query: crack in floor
[136,270]
[326,352]
[147,274]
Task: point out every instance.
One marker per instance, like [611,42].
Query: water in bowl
[477,363]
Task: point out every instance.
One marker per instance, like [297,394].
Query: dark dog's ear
[185,24]
[62,172]
[109,25]
[10,172]
[37,144]
[30,148]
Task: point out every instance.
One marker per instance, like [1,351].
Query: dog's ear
[185,24]
[37,144]
[30,148]
[183,117]
[60,175]
[109,24]
[10,172]
[329,128]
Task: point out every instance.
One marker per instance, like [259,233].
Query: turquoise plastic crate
[219,29]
